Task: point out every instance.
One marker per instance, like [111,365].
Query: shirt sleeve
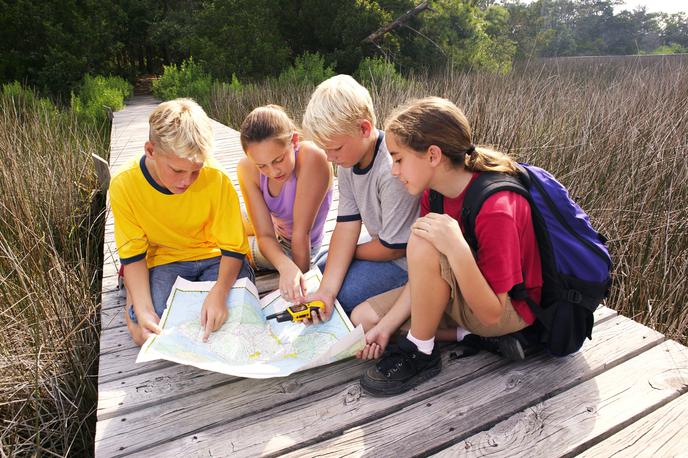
[131,240]
[499,243]
[227,227]
[399,210]
[347,209]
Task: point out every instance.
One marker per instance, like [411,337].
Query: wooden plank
[661,433]
[235,399]
[570,422]
[461,411]
[184,381]
[255,402]
[121,364]
[165,384]
[112,310]
[330,412]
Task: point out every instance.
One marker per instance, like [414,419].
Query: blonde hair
[335,108]
[182,128]
[437,121]
[269,122]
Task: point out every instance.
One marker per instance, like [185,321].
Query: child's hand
[376,342]
[214,312]
[149,322]
[292,284]
[323,315]
[442,231]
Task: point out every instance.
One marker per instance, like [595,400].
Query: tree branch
[398,22]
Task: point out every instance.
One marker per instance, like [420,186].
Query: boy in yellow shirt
[177,214]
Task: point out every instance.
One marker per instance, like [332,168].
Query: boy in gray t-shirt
[340,118]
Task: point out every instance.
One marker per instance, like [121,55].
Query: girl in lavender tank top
[287,190]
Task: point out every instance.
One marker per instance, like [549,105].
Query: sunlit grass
[50,238]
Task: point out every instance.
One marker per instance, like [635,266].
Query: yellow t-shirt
[202,222]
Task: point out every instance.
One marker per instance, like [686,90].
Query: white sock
[461,333]
[424,346]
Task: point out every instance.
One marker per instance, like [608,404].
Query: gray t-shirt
[379,200]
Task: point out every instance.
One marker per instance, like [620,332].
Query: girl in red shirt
[431,145]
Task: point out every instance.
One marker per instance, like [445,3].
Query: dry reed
[614,131]
[50,233]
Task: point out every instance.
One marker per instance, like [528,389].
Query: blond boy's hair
[182,128]
[336,108]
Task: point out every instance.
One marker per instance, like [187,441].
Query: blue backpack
[575,261]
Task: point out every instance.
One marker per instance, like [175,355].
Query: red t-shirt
[507,247]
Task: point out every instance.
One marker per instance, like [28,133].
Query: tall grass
[50,230]
[614,131]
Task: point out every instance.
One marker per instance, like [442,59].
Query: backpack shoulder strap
[436,202]
[486,184]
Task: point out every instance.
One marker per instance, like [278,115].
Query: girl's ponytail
[484,159]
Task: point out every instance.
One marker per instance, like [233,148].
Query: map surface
[248,345]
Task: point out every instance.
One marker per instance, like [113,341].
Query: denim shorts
[163,277]
[366,279]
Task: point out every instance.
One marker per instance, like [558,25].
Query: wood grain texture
[661,433]
[484,380]
[573,420]
[621,394]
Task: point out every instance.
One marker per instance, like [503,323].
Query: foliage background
[51,44]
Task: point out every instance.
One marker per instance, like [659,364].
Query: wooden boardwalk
[623,393]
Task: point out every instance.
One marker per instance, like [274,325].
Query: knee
[421,252]
[364,315]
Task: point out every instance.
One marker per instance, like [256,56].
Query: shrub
[96,94]
[308,69]
[374,70]
[26,99]
[673,48]
[187,80]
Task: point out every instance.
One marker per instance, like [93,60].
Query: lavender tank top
[282,208]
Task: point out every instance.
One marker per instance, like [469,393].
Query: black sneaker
[401,368]
[508,346]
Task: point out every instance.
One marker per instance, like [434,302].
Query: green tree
[455,33]
[335,29]
[675,29]
[239,37]
[52,44]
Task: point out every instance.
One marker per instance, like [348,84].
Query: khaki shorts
[457,312]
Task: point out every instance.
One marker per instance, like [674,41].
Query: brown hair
[269,122]
[436,121]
